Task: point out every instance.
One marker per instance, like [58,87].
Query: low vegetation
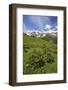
[39,55]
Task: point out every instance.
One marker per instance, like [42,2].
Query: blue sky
[39,23]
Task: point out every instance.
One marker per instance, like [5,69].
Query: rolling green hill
[39,55]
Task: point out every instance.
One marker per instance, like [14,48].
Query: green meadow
[39,55]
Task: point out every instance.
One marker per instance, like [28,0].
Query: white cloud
[47,27]
[54,28]
[39,21]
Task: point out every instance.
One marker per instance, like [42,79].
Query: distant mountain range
[41,34]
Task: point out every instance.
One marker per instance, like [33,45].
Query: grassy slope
[38,46]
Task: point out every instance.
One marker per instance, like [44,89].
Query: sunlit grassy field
[39,55]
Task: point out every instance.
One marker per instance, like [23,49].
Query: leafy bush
[37,59]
